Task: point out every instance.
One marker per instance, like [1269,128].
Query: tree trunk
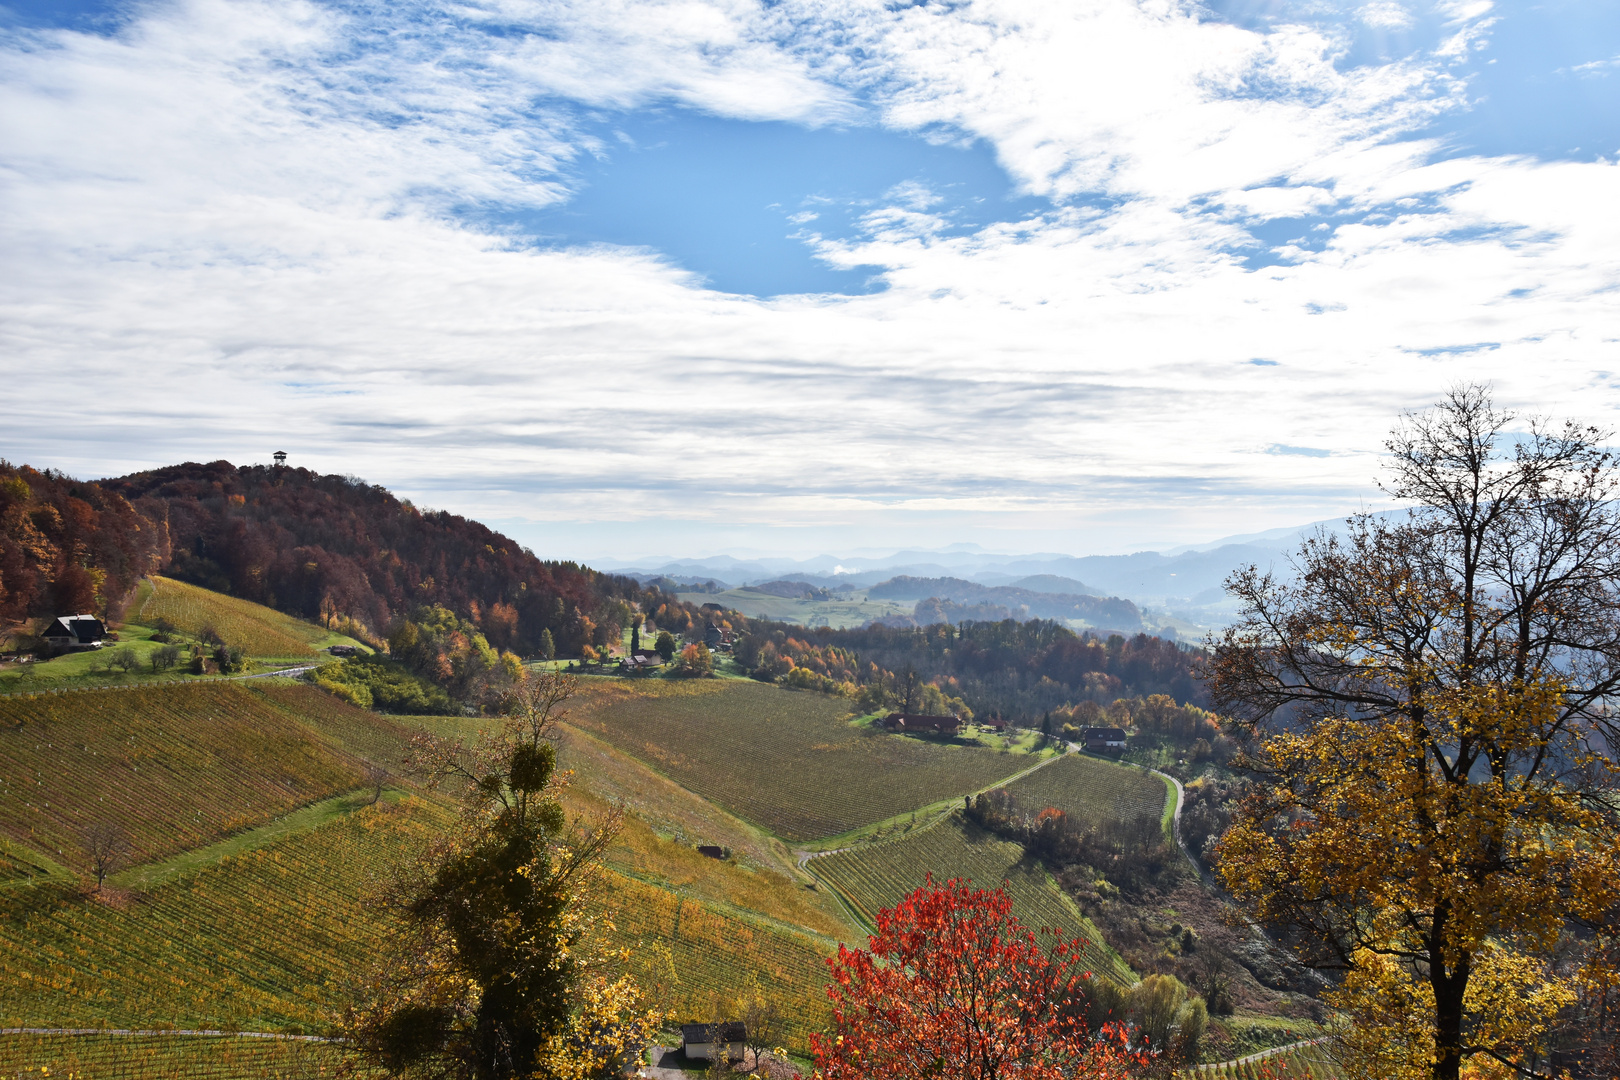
[1449,988]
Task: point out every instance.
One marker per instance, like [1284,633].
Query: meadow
[875,876]
[174,767]
[784,760]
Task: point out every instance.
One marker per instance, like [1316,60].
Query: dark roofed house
[700,1041]
[916,722]
[74,632]
[1102,739]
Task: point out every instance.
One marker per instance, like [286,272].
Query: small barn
[74,632]
[702,1041]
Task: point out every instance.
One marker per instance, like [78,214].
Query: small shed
[75,632]
[702,1041]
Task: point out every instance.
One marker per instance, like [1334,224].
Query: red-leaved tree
[953,987]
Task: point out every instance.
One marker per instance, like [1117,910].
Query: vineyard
[784,760]
[253,628]
[695,957]
[876,876]
[1092,791]
[262,941]
[1307,1062]
[173,767]
[165,1057]
[272,940]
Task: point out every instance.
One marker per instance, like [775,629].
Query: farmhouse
[75,632]
[700,1041]
[717,639]
[915,722]
[1102,739]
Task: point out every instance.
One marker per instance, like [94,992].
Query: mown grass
[783,760]
[876,876]
[176,767]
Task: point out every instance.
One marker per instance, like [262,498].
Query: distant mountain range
[1182,584]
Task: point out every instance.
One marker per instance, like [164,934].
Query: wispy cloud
[231,224]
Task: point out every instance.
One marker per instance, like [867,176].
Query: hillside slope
[175,767]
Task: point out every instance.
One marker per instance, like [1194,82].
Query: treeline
[325,548]
[66,544]
[1021,671]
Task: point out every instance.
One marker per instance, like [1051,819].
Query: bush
[374,682]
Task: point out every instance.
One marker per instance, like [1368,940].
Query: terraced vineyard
[1297,1063]
[784,760]
[262,941]
[253,628]
[1092,791]
[270,940]
[165,1057]
[175,767]
[691,953]
[876,876]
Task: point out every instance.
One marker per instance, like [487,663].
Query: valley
[260,820]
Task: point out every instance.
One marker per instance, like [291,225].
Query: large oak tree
[1431,693]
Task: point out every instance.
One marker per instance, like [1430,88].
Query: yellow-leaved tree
[1430,697]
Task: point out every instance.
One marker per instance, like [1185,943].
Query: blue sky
[680,276]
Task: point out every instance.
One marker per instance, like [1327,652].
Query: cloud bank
[229,227]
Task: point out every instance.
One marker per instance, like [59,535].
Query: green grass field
[875,876]
[269,638]
[175,767]
[1092,791]
[784,760]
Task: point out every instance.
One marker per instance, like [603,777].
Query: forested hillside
[315,546]
[948,599]
[1021,670]
[339,551]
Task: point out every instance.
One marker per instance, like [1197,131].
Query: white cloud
[228,226]
[1386,15]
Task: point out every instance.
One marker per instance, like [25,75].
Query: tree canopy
[1436,819]
[953,987]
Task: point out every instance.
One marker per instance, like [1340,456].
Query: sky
[628,279]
